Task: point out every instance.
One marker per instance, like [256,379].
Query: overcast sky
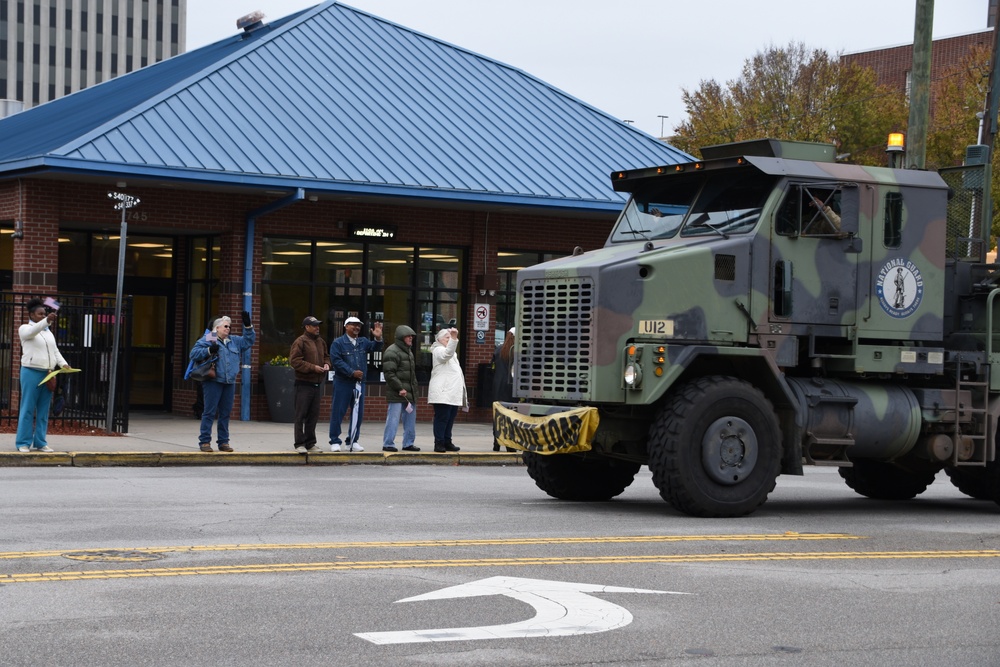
[629,58]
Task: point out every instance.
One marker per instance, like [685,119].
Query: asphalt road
[315,566]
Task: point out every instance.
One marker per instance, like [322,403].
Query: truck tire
[715,448]
[974,482]
[884,481]
[573,477]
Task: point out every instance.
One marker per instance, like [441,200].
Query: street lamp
[662,118]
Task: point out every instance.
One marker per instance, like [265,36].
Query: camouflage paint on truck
[809,291]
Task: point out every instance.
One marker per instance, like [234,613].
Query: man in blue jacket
[349,356]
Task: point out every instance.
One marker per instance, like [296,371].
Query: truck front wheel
[573,477]
[715,448]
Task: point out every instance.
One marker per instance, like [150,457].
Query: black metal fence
[85,335]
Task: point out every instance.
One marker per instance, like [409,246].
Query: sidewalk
[167,439]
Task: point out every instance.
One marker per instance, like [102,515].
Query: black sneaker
[411,448]
[389,449]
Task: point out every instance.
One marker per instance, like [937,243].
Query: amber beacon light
[895,147]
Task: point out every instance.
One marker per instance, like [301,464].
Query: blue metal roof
[333,99]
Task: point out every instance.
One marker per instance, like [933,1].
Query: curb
[30,460]
[163,459]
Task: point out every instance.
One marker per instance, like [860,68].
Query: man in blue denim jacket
[349,356]
[220,391]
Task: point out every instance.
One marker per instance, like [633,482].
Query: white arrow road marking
[562,608]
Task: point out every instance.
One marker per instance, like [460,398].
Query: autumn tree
[794,93]
[958,94]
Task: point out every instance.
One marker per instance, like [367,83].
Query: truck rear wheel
[973,482]
[885,481]
[573,477]
[715,448]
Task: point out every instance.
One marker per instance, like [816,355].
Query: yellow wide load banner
[558,433]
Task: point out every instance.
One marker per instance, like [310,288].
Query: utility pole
[990,112]
[920,85]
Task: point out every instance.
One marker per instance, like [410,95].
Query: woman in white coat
[39,355]
[446,392]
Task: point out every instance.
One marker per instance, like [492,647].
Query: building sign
[481,317]
[360,230]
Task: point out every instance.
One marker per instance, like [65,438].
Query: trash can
[279,385]
[484,386]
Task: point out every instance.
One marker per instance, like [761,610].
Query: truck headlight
[633,375]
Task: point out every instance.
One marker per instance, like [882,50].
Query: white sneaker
[22,448]
[335,447]
[355,447]
[301,449]
[46,448]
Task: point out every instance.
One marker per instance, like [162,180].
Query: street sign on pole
[123,203]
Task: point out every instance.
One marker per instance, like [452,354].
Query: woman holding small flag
[39,356]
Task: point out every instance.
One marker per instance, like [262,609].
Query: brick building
[893,64]
[328,163]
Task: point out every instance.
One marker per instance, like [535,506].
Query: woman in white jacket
[39,355]
[446,392]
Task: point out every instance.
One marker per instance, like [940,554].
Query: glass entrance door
[150,354]
[88,264]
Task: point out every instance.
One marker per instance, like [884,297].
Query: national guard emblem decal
[900,287]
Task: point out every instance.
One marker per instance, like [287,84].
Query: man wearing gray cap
[310,361]
[349,357]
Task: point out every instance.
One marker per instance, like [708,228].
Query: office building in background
[51,48]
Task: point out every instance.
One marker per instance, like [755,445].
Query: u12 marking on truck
[656,327]
[900,287]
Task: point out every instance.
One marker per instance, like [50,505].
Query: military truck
[760,310]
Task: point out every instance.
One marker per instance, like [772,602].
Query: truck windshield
[643,219]
[722,203]
[728,205]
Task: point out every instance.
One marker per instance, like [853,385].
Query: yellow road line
[487,562]
[788,536]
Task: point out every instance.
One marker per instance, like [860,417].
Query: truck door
[814,252]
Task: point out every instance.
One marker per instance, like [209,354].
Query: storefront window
[394,284]
[340,262]
[287,259]
[73,252]
[6,255]
[203,286]
[204,262]
[145,256]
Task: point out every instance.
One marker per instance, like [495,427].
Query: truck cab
[759,310]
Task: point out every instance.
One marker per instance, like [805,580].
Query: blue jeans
[218,401]
[393,413]
[343,398]
[33,415]
[444,419]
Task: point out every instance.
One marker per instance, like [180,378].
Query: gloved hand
[246,320]
[213,348]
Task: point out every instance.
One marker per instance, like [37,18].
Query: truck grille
[555,329]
